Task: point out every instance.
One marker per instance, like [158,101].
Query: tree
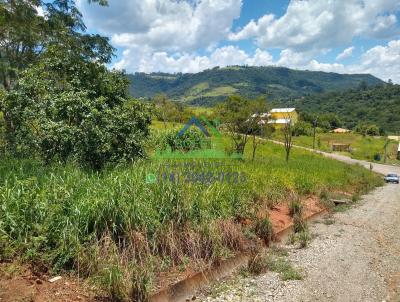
[363,86]
[67,107]
[302,128]
[288,135]
[258,123]
[24,36]
[235,115]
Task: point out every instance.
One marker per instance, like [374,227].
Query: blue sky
[345,36]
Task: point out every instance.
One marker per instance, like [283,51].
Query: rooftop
[282,110]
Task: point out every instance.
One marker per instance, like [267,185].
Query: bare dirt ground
[354,256]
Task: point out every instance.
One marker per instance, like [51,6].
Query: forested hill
[378,105]
[213,85]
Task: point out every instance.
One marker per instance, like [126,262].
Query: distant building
[341,147]
[393,137]
[279,117]
[341,130]
[398,152]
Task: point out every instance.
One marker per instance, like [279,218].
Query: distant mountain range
[214,85]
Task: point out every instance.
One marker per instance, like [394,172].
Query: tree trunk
[9,124]
[254,148]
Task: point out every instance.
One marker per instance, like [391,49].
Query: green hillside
[378,105]
[213,85]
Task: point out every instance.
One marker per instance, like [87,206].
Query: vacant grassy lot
[123,232]
[362,147]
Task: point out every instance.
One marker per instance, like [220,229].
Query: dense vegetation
[379,105]
[76,155]
[214,85]
[121,231]
[63,103]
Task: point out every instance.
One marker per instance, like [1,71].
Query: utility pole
[386,145]
[314,131]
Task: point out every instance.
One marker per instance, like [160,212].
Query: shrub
[188,141]
[257,263]
[140,284]
[65,108]
[304,238]
[295,208]
[299,224]
[263,229]
[302,128]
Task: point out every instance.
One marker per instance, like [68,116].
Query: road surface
[354,257]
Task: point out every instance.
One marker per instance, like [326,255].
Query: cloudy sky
[345,36]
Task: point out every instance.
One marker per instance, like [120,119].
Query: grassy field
[123,232]
[362,147]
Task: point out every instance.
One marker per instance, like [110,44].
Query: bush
[263,229]
[257,263]
[299,224]
[302,128]
[65,108]
[295,208]
[190,140]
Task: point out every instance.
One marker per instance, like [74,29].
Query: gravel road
[354,257]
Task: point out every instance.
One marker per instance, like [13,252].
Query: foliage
[377,105]
[302,128]
[367,129]
[28,39]
[57,215]
[263,229]
[66,107]
[236,115]
[324,121]
[212,86]
[192,139]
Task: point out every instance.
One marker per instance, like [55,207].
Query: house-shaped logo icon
[211,135]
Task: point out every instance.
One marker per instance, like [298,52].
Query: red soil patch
[280,216]
[19,284]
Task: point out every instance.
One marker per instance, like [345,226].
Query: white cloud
[164,25]
[309,24]
[381,61]
[145,61]
[347,53]
[167,35]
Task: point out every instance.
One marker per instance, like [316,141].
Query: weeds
[64,217]
[112,281]
[141,282]
[295,208]
[284,268]
[258,263]
[263,229]
[299,224]
[304,238]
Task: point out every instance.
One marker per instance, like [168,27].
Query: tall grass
[67,218]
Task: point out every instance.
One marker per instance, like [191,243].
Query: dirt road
[354,257]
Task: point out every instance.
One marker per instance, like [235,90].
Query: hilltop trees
[379,105]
